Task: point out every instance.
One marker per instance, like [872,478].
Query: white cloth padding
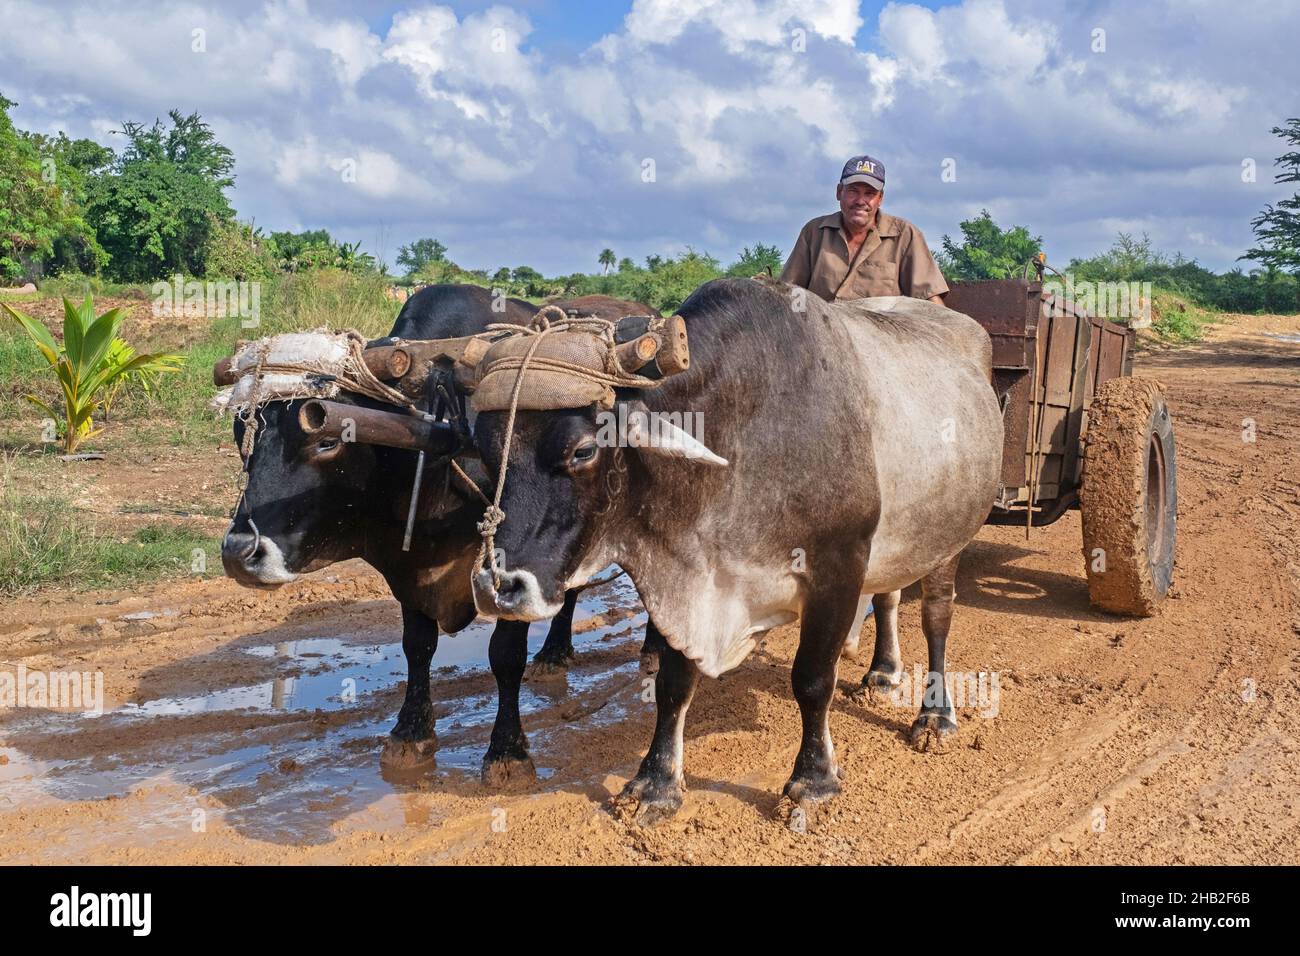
[323,351]
[318,353]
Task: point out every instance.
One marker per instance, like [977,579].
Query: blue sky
[519,133]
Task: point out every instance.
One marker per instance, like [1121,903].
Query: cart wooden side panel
[1049,357]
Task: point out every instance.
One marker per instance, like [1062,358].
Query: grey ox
[851,449]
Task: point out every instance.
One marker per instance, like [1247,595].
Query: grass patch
[22,372]
[323,298]
[1178,325]
[177,415]
[45,541]
[1176,320]
[76,286]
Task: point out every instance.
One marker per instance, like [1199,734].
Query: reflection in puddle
[281,784]
[339,672]
[349,671]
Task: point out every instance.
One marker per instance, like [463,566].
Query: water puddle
[283,784]
[1284,336]
[338,671]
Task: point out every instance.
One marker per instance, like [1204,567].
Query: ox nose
[240,547]
[512,591]
[516,596]
[252,558]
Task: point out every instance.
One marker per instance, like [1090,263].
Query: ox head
[305,502]
[320,475]
[567,483]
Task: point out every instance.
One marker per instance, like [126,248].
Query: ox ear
[655,433]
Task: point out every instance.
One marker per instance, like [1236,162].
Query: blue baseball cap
[864,169]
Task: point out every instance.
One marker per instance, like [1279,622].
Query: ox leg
[938,718]
[850,651]
[555,656]
[651,648]
[412,740]
[655,793]
[886,663]
[827,620]
[507,757]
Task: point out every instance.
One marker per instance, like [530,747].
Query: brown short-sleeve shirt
[893,260]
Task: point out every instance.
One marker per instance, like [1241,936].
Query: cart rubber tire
[1129,497]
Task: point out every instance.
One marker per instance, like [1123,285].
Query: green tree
[350,258]
[668,284]
[153,210]
[237,250]
[1126,260]
[529,282]
[298,250]
[39,202]
[606,260]
[420,254]
[1277,228]
[987,251]
[75,161]
[759,260]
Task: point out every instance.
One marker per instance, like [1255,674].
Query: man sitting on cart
[861,251]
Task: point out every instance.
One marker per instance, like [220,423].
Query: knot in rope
[492,518]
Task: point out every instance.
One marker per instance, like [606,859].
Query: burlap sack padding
[554,375]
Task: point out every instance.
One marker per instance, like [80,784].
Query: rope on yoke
[493,515]
[613,376]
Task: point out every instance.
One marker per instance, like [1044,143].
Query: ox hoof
[501,773]
[875,685]
[649,663]
[404,754]
[647,802]
[547,668]
[931,731]
[804,801]
[810,790]
[882,680]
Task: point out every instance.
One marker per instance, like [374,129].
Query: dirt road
[244,727]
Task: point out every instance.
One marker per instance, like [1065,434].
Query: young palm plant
[90,365]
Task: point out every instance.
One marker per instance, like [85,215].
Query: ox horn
[324,419]
[665,438]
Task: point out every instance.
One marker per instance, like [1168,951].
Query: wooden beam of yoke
[320,418]
[651,345]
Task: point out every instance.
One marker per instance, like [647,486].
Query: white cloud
[742,22]
[466,127]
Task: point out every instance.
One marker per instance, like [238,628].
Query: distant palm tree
[607,259]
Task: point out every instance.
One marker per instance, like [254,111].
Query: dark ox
[311,502]
[863,443]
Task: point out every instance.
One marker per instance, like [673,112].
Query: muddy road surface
[242,727]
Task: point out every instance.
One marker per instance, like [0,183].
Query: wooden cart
[1081,433]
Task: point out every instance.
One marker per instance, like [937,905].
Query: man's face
[858,204]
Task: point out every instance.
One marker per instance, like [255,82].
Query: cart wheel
[1129,497]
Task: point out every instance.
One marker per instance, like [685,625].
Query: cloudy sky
[525,132]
